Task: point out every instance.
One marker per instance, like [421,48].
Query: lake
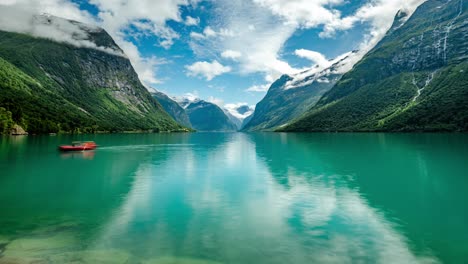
[235,198]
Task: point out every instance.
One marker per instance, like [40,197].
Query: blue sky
[229,51]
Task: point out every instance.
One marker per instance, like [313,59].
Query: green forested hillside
[413,80]
[50,87]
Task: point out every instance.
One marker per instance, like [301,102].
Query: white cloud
[115,16]
[259,30]
[217,101]
[380,15]
[166,35]
[24,17]
[209,32]
[196,35]
[150,18]
[61,8]
[145,66]
[303,13]
[256,29]
[233,109]
[186,99]
[207,69]
[259,88]
[316,57]
[231,54]
[192,21]
[313,14]
[320,72]
[250,30]
[193,96]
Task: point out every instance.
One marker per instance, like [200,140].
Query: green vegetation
[6,121]
[410,81]
[54,87]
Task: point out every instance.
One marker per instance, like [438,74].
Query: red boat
[79,146]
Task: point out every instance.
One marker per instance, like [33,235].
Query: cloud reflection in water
[225,202]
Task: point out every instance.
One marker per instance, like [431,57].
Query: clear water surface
[235,198]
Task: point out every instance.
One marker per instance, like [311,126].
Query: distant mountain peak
[205,116]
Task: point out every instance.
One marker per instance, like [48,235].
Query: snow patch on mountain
[340,65]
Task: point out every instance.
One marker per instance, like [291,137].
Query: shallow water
[235,198]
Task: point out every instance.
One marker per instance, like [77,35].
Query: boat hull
[87,146]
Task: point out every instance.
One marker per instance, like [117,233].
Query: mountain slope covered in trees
[413,80]
[47,86]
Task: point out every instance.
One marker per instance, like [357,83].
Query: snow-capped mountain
[290,96]
[414,79]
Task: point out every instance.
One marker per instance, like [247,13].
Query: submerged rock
[177,260]
[13,260]
[104,256]
[37,244]
[56,228]
[36,247]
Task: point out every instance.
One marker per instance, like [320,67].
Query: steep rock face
[205,116]
[291,96]
[173,109]
[413,80]
[51,86]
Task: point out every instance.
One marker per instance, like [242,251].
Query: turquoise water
[235,198]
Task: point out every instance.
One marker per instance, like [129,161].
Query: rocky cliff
[52,86]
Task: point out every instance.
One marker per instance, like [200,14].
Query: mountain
[205,116]
[173,109]
[237,122]
[238,113]
[413,80]
[246,121]
[82,84]
[291,96]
